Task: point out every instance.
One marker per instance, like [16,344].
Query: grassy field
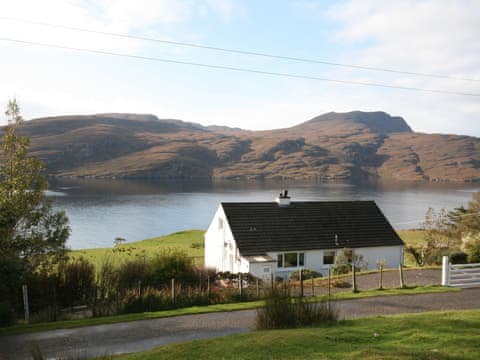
[438,335]
[189,241]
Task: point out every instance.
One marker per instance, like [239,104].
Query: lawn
[190,241]
[436,335]
[412,237]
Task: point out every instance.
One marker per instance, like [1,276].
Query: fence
[462,275]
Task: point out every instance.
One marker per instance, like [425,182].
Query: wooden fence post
[258,289]
[301,282]
[240,285]
[173,291]
[271,280]
[380,285]
[25,303]
[208,289]
[329,281]
[313,287]
[400,269]
[354,279]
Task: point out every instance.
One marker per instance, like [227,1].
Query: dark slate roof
[262,227]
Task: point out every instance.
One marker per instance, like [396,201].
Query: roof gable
[262,227]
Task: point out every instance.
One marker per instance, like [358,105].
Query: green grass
[68,324]
[436,335]
[412,237]
[190,242]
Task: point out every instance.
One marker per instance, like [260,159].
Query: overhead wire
[237,69]
[242,52]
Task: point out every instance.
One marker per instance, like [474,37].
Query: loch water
[101,210]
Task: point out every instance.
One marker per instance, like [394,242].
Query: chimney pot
[283,199]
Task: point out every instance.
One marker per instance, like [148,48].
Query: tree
[438,238]
[466,223]
[32,235]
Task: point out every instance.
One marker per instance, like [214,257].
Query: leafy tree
[438,239]
[466,223]
[32,235]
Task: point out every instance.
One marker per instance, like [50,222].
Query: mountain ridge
[334,145]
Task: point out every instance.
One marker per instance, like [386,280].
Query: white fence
[462,275]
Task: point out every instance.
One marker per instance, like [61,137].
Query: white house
[266,238]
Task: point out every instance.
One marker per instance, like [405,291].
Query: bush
[282,311]
[77,283]
[306,274]
[107,281]
[131,274]
[172,264]
[7,314]
[459,258]
[474,256]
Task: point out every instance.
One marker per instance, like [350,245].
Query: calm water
[100,210]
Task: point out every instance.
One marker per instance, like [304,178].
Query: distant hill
[354,145]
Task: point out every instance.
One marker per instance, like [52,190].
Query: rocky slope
[331,146]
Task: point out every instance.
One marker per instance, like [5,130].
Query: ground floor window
[291,259]
[329,257]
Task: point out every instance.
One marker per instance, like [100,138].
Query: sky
[422,36]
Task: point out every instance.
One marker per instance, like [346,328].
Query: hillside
[331,146]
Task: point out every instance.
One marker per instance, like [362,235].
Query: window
[266,270]
[292,259]
[329,257]
[301,259]
[220,224]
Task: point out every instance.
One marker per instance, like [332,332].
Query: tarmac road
[145,334]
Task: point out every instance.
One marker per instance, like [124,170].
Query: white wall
[221,251]
[392,255]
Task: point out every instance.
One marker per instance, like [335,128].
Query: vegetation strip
[69,324]
[413,336]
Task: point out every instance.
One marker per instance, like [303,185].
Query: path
[146,334]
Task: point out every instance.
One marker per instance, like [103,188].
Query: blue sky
[431,36]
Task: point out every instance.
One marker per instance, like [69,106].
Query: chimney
[283,199]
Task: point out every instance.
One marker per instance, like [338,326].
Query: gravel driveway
[146,334]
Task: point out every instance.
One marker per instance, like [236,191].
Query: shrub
[474,256]
[107,280]
[459,258]
[282,311]
[172,264]
[77,285]
[131,274]
[7,314]
[344,260]
[306,274]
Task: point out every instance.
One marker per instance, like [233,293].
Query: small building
[277,238]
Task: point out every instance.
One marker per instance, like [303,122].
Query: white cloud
[430,36]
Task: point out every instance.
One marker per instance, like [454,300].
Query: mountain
[354,145]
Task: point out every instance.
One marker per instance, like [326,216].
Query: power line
[238,69]
[243,52]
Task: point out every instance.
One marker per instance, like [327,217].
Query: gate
[461,275]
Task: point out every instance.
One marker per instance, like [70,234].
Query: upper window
[291,259]
[220,224]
